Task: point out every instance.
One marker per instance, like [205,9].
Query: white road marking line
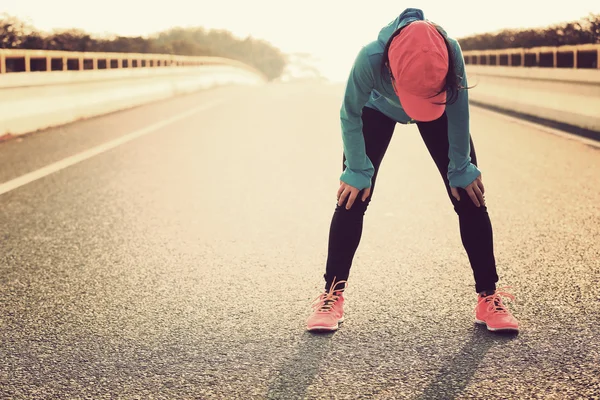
[557,132]
[94,151]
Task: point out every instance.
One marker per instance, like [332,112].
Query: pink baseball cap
[418,59]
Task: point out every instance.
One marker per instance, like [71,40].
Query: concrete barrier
[31,101]
[568,97]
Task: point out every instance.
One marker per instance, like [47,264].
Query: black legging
[475,226]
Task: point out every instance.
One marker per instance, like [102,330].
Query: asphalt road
[181,264]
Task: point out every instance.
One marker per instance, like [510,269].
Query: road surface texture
[182,264]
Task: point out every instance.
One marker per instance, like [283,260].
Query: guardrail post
[27,63]
[65,63]
[575,54]
[81,63]
[537,58]
[555,55]
[598,59]
[522,57]
[3,63]
[48,63]
[95,63]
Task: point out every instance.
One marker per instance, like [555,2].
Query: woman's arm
[461,172]
[359,169]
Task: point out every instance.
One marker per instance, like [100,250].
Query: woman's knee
[359,207]
[465,206]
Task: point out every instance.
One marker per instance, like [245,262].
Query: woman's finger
[340,190]
[353,195]
[479,194]
[366,194]
[472,195]
[480,184]
[343,196]
[454,192]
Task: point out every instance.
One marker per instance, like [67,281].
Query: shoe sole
[326,328]
[496,329]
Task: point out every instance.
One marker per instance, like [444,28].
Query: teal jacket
[370,85]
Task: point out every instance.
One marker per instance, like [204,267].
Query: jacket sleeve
[359,168]
[461,172]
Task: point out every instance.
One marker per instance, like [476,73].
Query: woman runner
[413,73]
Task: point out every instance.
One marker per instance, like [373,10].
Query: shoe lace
[495,303]
[325,301]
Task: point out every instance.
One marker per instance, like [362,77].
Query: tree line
[16,34]
[585,30]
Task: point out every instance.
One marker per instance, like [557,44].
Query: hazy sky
[332,30]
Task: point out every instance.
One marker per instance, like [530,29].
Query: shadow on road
[299,371]
[454,377]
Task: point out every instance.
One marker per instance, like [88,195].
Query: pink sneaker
[490,311]
[328,310]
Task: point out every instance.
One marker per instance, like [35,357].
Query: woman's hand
[350,192]
[475,191]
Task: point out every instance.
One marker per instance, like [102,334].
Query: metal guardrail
[568,56]
[51,60]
